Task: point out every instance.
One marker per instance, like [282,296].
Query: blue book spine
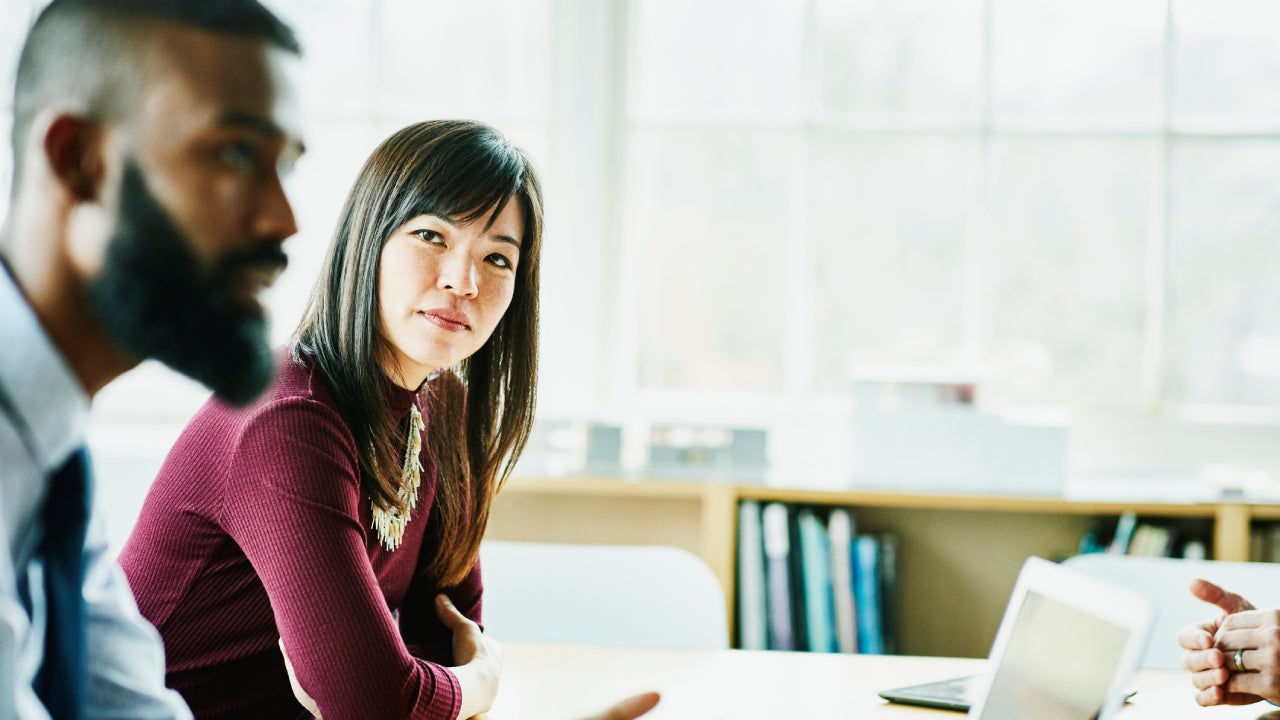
[866,573]
[818,601]
[1124,533]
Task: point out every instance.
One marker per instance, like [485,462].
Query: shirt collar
[52,408]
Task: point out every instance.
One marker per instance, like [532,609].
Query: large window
[1069,200]
[1077,203]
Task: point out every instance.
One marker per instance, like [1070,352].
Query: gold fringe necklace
[390,524]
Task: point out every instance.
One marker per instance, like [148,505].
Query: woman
[309,522]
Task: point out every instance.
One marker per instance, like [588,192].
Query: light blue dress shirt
[43,413]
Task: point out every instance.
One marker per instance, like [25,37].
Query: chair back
[1165,580]
[615,595]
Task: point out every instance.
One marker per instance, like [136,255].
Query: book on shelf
[889,592]
[808,581]
[840,531]
[819,600]
[796,581]
[1149,540]
[1151,537]
[777,552]
[1264,542]
[1195,549]
[1273,542]
[753,621]
[866,583]
[1125,527]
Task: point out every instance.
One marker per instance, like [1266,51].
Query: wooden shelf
[960,552]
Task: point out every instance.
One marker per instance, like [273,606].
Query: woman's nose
[459,275]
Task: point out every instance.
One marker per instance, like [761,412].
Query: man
[147,213]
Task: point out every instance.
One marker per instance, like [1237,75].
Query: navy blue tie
[61,681]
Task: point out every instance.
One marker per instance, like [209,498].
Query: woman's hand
[303,698]
[478,658]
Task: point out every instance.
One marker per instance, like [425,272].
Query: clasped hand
[1233,659]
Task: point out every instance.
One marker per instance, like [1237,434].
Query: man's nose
[274,218]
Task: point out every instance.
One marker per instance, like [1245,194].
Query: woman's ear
[73,149]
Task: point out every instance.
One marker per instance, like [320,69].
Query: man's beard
[157,300]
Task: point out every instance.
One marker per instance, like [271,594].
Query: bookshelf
[959,553]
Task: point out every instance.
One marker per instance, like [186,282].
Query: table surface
[557,682]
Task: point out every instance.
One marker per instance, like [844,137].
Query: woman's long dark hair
[478,414]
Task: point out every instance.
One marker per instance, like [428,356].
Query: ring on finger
[1240,660]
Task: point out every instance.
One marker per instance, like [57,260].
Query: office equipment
[1066,648]
[641,596]
[1164,582]
[956,693]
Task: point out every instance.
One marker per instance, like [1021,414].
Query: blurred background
[783,214]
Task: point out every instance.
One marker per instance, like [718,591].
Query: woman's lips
[447,319]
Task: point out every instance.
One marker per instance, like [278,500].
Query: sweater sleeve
[293,506]
[423,633]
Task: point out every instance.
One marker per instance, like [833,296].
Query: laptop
[1065,650]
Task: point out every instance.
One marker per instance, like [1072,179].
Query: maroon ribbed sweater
[256,529]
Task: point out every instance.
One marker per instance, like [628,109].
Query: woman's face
[442,288]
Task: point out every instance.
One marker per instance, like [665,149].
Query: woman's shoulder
[298,376]
[297,402]
[290,437]
[300,392]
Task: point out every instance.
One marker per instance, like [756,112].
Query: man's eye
[239,155]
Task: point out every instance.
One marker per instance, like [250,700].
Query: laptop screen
[1058,664]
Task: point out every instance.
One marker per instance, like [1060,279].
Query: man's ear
[73,147]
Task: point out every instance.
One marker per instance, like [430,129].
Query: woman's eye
[430,236]
[500,260]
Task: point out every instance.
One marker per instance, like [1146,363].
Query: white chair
[1164,581]
[617,595]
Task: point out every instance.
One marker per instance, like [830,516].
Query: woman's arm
[480,657]
[294,510]
[421,626]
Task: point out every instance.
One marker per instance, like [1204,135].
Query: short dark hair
[88,50]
